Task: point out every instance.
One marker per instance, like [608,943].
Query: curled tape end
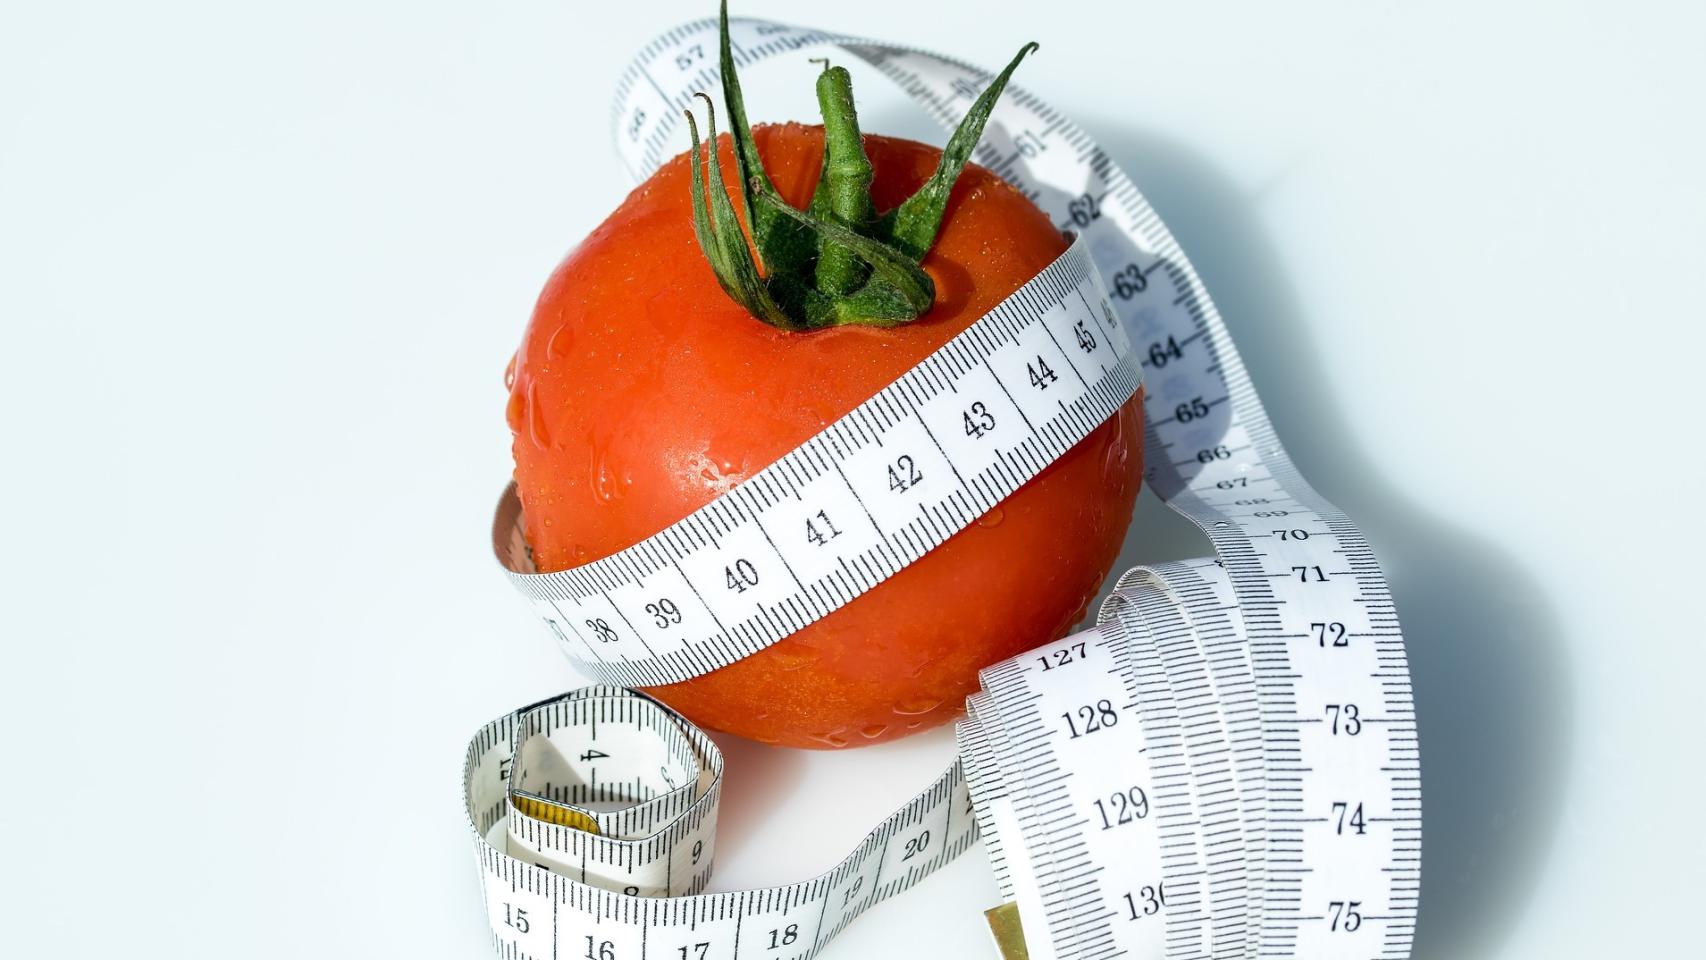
[540,808]
[1006,932]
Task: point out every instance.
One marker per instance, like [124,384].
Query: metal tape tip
[1005,930]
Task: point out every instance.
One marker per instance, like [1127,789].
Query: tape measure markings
[1232,731]
[1218,810]
[726,542]
[521,897]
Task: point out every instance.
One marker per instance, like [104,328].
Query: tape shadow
[1491,680]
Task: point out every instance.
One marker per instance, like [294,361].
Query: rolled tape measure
[1226,765]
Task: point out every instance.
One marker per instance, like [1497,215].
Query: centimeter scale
[1225,766]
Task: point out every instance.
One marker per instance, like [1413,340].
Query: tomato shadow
[1491,679]
[754,775]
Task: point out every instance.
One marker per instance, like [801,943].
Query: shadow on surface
[1491,684]
[753,776]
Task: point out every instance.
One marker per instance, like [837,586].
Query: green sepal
[913,225]
[782,246]
[731,260]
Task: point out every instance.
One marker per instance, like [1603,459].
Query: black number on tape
[1124,807]
[1084,210]
[1163,352]
[664,612]
[1194,409]
[1063,656]
[1040,373]
[978,419]
[1349,816]
[1086,339]
[1344,719]
[903,474]
[1130,281]
[1090,718]
[1346,919]
[820,530]
[1147,902]
[1309,574]
[916,845]
[740,575]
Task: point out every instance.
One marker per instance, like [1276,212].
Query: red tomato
[641,392]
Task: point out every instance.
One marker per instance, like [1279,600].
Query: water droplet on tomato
[790,659]
[916,706]
[993,518]
[719,473]
[830,739]
[557,348]
[728,467]
[824,415]
[536,418]
[509,371]
[1116,458]
[602,486]
[874,731]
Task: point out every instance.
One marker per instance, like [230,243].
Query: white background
[261,266]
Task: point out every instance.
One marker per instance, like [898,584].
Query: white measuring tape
[1225,766]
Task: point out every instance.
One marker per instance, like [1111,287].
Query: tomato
[641,392]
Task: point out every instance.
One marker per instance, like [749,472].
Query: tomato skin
[641,392]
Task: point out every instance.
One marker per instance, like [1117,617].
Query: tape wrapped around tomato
[648,384]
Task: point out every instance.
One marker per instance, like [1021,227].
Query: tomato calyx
[837,262]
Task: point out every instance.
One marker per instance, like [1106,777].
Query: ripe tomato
[641,392]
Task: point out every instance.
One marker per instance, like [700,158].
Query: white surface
[261,268]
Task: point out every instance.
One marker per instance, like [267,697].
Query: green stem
[847,174]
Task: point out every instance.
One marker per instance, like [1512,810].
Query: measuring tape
[1226,765]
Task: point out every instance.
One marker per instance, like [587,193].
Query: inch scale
[1225,766]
